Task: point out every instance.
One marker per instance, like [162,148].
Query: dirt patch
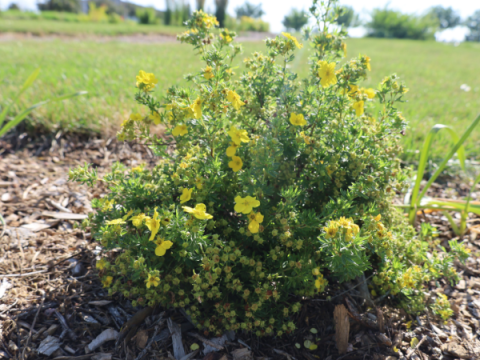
[52,304]
[134,38]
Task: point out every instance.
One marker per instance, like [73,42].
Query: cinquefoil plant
[271,187]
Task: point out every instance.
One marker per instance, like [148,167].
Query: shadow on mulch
[53,304]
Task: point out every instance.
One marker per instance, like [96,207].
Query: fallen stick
[64,324]
[33,325]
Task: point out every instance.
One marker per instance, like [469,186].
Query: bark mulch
[52,305]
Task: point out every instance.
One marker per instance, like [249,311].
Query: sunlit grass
[434,73]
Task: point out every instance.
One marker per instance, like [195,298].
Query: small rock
[6,197]
[461,285]
[242,354]
[12,347]
[455,350]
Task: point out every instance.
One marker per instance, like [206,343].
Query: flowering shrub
[268,189]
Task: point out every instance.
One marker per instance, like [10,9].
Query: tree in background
[60,5]
[13,6]
[388,23]
[473,23]
[250,10]
[295,20]
[177,12]
[147,16]
[200,4]
[447,17]
[221,11]
[347,17]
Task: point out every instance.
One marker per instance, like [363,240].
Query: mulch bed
[52,304]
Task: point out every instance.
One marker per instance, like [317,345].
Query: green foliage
[13,6]
[249,10]
[347,17]
[221,11]
[473,23]
[295,20]
[268,186]
[72,6]
[247,24]
[177,12]
[447,17]
[147,16]
[4,128]
[417,196]
[386,23]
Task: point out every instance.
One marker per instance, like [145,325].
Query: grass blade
[25,86]
[415,201]
[454,226]
[65,97]
[20,117]
[451,205]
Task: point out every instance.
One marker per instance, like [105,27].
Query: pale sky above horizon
[276,9]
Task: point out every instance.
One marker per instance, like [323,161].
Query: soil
[133,38]
[52,304]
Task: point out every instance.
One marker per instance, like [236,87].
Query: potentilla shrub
[267,187]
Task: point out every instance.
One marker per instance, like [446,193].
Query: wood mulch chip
[52,305]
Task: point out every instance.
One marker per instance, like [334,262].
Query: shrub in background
[177,12]
[246,23]
[386,23]
[60,5]
[269,188]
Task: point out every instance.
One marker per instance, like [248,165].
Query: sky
[276,9]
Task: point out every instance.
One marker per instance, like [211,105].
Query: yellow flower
[101,264]
[245,205]
[199,212]
[208,73]
[238,135]
[370,93]
[152,280]
[293,38]
[331,229]
[308,139]
[353,90]
[327,73]
[137,168]
[155,117]
[197,108]
[146,81]
[344,48]
[186,195]
[297,119]
[234,98]
[255,220]
[236,164]
[162,246]
[153,225]
[232,149]
[367,62]
[136,117]
[316,271]
[378,217]
[180,130]
[358,106]
[107,282]
[137,220]
[227,38]
[183,165]
[115,222]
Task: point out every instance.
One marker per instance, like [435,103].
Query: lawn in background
[50,27]
[433,71]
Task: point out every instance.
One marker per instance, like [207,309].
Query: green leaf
[18,119]
[65,97]
[25,86]
[458,148]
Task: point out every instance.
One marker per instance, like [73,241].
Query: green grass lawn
[432,71]
[49,27]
